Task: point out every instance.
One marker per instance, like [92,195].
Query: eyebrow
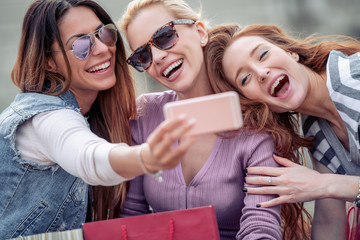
[251,55]
[83,34]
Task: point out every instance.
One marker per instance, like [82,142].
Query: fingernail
[246,171]
[258,205]
[244,190]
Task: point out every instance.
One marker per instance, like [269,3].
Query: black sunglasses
[83,46]
[164,38]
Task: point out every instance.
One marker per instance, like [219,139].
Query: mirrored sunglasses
[164,38]
[83,46]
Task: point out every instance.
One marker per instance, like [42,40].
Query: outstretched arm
[296,183]
[63,137]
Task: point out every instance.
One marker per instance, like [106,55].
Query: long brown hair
[109,115]
[296,221]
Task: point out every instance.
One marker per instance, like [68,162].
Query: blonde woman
[167,38]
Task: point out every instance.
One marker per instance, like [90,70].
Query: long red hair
[296,221]
[313,52]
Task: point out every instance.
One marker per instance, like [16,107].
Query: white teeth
[100,67]
[276,83]
[172,66]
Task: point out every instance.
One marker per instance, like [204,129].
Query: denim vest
[35,198]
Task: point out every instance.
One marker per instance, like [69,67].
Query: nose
[158,54]
[263,74]
[99,47]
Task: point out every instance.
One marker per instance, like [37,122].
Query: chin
[278,109]
[106,86]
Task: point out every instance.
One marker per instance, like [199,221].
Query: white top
[62,137]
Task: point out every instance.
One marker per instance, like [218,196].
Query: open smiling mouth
[280,86]
[99,68]
[173,68]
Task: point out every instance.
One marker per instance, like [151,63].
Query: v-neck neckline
[199,175]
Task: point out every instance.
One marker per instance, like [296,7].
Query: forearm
[330,220]
[342,187]
[330,216]
[124,161]
[330,185]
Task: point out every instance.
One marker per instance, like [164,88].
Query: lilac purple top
[219,182]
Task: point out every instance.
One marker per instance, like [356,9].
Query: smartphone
[213,113]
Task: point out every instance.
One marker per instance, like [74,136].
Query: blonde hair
[178,8]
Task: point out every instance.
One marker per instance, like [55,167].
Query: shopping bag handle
[171,230]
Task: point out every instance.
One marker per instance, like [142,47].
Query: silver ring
[269,180]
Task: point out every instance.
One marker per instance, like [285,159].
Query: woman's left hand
[293,182]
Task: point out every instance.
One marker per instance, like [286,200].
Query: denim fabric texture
[35,198]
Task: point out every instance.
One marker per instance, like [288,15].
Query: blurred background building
[301,17]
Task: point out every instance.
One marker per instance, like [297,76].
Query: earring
[296,56]
[202,42]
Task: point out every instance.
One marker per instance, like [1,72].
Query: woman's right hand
[160,151]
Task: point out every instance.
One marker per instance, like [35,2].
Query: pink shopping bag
[196,223]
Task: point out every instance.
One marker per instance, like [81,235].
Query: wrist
[144,156]
[141,159]
[357,199]
[156,175]
[330,186]
[342,187]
